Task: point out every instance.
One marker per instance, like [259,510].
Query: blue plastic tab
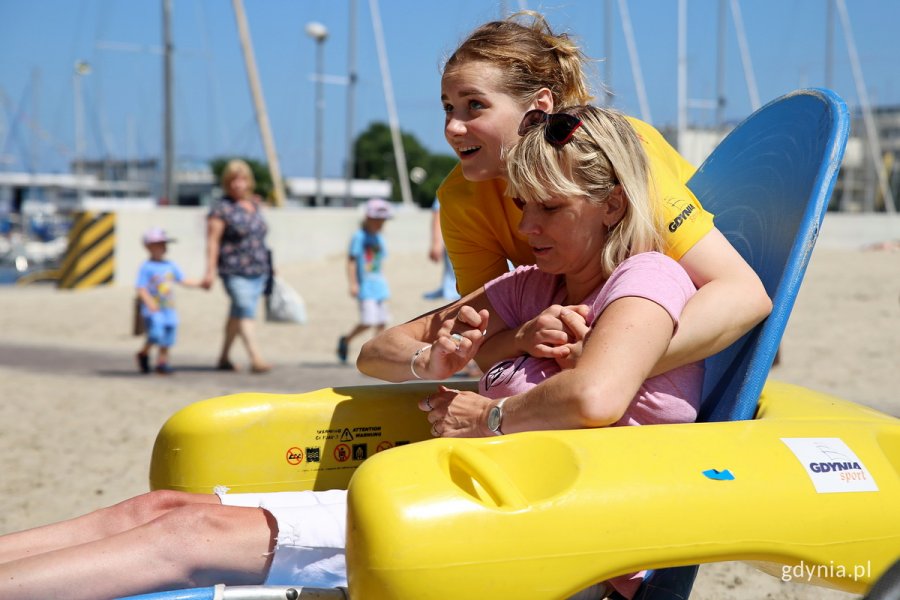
[724,475]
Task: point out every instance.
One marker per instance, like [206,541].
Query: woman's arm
[730,300]
[433,346]
[551,334]
[625,342]
[215,227]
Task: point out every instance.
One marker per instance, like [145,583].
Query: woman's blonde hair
[529,56]
[603,152]
[234,168]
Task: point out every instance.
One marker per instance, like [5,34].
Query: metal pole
[720,66]
[320,115]
[170,192]
[607,62]
[81,68]
[682,76]
[351,84]
[829,45]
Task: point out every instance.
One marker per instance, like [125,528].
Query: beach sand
[77,422]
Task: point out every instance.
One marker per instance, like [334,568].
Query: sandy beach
[77,422]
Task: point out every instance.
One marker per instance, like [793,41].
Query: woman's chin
[476,173]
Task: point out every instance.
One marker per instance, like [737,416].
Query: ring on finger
[457,339]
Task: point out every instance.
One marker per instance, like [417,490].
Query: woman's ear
[616,204]
[543,100]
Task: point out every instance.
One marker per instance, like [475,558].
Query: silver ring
[428,405]
[434,431]
[456,338]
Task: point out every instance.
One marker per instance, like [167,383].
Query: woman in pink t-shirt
[582,184]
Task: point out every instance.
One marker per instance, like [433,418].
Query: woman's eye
[520,204]
[549,207]
[475,105]
[448,108]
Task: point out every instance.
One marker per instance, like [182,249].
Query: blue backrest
[768,184]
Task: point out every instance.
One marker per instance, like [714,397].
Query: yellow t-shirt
[479,223]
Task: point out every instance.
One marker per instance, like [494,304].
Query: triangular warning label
[346,436]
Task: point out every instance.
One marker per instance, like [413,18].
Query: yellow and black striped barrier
[90,256]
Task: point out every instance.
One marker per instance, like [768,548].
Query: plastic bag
[285,304]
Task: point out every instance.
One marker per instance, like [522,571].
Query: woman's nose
[528,225]
[454,127]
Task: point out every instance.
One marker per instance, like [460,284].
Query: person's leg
[247,331]
[232,327]
[96,525]
[192,544]
[143,357]
[162,362]
[245,293]
[358,329]
[154,328]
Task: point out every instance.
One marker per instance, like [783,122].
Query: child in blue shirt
[155,287]
[367,282]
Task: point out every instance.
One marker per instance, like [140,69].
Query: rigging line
[635,62]
[872,133]
[399,153]
[749,76]
[218,132]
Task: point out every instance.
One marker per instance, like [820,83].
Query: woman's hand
[455,413]
[457,343]
[557,333]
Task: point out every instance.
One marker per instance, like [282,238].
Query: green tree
[374,153]
[260,171]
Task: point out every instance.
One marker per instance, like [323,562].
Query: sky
[122,95]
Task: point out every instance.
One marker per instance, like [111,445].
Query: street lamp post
[319,33]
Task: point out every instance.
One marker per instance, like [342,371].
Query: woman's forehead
[473,78]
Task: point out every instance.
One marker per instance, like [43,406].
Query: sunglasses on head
[560,126]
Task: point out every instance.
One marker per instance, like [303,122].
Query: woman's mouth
[467,151]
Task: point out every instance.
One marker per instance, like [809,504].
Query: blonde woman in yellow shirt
[500,72]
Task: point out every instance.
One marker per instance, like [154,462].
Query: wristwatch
[495,417]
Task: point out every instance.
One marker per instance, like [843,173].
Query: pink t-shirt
[521,295]
[673,397]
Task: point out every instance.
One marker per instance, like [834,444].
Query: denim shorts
[244,293]
[159,331]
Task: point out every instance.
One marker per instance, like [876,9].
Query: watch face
[493,421]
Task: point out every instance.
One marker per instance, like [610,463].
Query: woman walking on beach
[236,250]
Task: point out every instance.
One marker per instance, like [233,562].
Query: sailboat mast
[170,192]
[259,103]
[351,85]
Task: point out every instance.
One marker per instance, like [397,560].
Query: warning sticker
[831,465]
